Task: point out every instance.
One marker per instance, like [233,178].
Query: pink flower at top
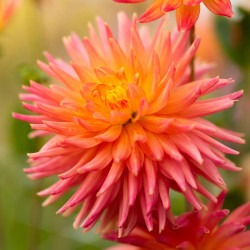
[199,230]
[7,9]
[126,125]
[187,11]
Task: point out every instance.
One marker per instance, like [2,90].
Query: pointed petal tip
[151,191]
[75,225]
[45,203]
[242,141]
[81,171]
[38,61]
[224,188]
[201,160]
[28,170]
[229,13]
[40,193]
[61,210]
[14,115]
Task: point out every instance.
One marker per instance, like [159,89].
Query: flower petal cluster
[126,125]
[7,9]
[187,11]
[199,230]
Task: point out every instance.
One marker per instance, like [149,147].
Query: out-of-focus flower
[187,11]
[205,28]
[7,9]
[194,231]
[127,126]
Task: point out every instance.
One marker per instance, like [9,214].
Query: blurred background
[39,25]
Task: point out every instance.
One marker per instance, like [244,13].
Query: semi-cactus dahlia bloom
[187,11]
[126,125]
[199,230]
[6,11]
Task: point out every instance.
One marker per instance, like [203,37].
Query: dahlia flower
[187,11]
[126,126]
[6,11]
[198,230]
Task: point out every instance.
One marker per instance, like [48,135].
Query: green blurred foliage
[19,131]
[31,73]
[179,202]
[235,197]
[235,37]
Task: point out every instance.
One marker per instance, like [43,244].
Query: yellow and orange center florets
[116,98]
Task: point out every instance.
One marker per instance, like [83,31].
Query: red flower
[199,230]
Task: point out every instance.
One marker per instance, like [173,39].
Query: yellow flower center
[116,98]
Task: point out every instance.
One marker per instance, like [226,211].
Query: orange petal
[117,117]
[135,161]
[100,161]
[155,124]
[122,147]
[191,2]
[113,176]
[220,7]
[111,134]
[169,5]
[91,125]
[135,94]
[82,142]
[161,101]
[151,175]
[152,148]
[152,13]
[186,16]
[186,58]
[136,133]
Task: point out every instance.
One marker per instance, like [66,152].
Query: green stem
[192,78]
[192,64]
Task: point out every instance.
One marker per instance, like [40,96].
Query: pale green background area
[35,28]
